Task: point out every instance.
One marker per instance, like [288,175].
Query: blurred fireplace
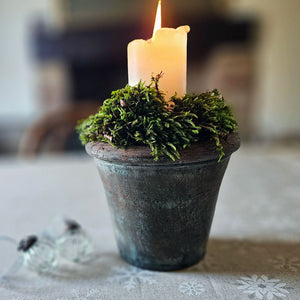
[96,58]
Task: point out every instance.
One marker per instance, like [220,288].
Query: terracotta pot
[162,211]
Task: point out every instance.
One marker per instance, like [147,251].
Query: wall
[278,65]
[17,90]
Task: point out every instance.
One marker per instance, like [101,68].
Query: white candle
[165,52]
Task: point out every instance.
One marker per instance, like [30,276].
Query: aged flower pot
[162,211]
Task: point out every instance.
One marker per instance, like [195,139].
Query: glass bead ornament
[38,254]
[74,243]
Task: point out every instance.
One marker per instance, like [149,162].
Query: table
[253,251]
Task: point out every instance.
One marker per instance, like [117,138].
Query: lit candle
[164,52]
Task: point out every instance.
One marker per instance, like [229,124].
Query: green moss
[139,115]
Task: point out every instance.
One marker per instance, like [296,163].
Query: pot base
[141,263]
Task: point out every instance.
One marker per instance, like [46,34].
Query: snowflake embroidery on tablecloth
[85,294]
[287,264]
[131,277]
[191,288]
[262,287]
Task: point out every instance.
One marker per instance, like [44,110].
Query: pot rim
[199,152]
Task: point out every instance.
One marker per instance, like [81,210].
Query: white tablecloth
[254,246]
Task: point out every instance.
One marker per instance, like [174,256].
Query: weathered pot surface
[162,211]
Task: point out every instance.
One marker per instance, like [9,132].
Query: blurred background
[59,59]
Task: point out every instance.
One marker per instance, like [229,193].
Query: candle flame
[157,19]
